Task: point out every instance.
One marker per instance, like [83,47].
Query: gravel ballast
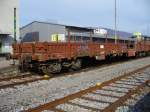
[34,94]
[139,102]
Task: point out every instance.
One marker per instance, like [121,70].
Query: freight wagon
[52,57]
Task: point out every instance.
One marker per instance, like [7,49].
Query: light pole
[115,21]
[15,40]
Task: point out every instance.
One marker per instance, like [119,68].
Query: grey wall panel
[31,37]
[45,30]
[29,33]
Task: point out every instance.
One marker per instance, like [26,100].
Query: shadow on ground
[142,105]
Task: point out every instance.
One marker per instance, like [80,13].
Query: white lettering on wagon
[102,46]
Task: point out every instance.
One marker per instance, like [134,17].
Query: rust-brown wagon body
[51,57]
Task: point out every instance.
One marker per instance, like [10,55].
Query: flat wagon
[52,57]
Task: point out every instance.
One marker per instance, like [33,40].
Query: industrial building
[45,31]
[9,24]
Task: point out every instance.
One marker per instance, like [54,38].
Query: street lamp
[115,21]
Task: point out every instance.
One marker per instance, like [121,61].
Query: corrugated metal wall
[43,30]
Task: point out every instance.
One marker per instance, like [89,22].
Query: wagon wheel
[44,70]
[77,64]
[54,68]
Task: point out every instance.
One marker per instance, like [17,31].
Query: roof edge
[41,22]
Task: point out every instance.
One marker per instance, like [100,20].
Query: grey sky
[133,15]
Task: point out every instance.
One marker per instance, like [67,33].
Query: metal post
[91,39]
[15,40]
[115,21]
[69,38]
[15,20]
[69,44]
[106,38]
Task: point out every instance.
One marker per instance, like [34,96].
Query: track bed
[105,97]
[23,97]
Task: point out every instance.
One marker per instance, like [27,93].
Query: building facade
[40,31]
[9,23]
[51,32]
[47,32]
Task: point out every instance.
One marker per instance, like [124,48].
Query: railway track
[11,70]
[17,80]
[7,78]
[105,97]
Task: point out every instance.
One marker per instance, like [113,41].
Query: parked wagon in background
[52,57]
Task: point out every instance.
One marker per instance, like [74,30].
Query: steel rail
[22,81]
[15,77]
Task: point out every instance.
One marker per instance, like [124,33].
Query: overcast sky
[132,15]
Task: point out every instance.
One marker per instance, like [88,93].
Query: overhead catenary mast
[115,21]
[15,25]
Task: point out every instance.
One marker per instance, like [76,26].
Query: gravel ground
[72,108]
[101,98]
[7,68]
[34,94]
[92,104]
[6,63]
[139,102]
[113,93]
